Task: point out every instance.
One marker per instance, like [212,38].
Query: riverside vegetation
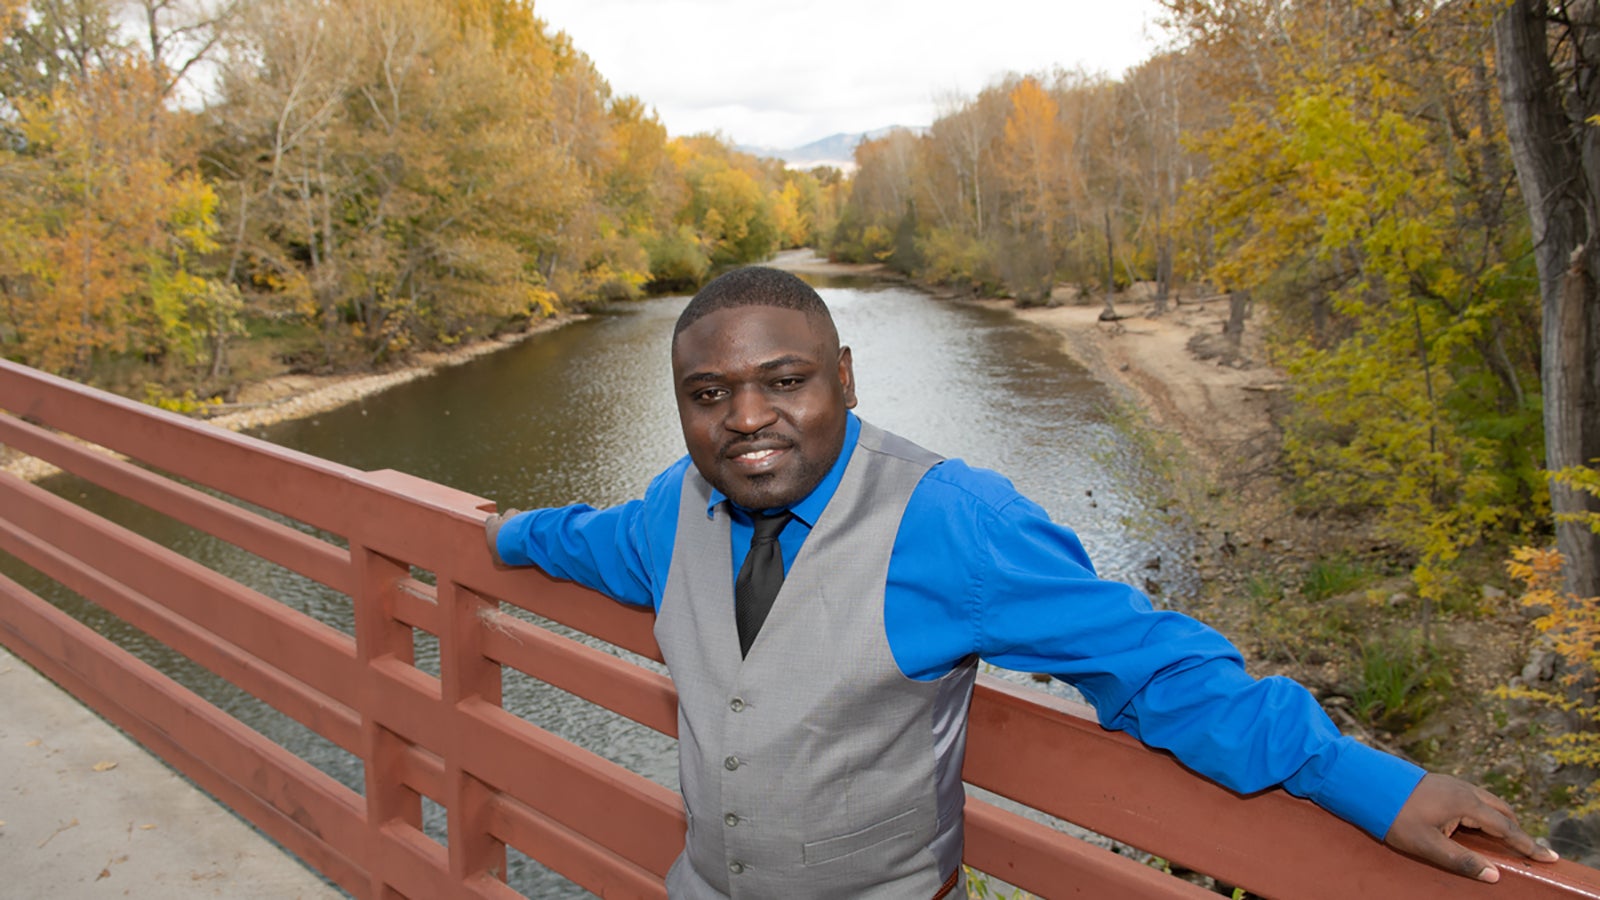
[367,181]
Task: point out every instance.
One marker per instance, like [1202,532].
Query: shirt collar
[810,508]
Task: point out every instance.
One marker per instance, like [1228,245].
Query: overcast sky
[784,74]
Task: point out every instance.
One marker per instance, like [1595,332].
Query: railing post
[380,636]
[467,674]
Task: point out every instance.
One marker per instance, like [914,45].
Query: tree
[1033,162]
[1547,52]
[101,249]
[881,197]
[1166,105]
[1356,192]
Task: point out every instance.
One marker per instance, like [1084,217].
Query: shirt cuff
[1366,787]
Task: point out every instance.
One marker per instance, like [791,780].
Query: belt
[949,884]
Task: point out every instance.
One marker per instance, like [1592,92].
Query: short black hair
[753,286]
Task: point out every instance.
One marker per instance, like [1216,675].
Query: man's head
[762,386]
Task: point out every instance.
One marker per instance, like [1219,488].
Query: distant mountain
[836,150]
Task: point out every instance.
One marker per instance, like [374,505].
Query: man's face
[762,393]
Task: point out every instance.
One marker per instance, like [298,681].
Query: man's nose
[750,411]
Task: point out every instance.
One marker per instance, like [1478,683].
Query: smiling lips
[758,457]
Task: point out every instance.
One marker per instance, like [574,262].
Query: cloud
[783,74]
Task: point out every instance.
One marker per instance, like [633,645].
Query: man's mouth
[757,457]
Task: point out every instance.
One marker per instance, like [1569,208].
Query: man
[822,712]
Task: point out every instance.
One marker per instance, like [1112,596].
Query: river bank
[1213,409]
[293,396]
[282,398]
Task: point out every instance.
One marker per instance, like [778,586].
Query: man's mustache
[763,439]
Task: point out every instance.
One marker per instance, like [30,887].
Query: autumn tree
[882,204]
[411,174]
[1164,105]
[1546,53]
[102,248]
[728,207]
[1033,161]
[1357,192]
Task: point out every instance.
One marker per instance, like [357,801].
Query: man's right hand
[491,531]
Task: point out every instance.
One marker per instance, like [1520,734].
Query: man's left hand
[1439,806]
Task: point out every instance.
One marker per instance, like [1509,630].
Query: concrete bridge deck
[87,813]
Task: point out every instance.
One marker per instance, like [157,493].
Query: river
[585,413]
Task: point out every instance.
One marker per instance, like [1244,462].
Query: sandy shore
[1220,412]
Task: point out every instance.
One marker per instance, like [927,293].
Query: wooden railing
[504,781]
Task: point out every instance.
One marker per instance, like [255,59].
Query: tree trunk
[1557,159]
[1233,330]
[1163,270]
[1110,312]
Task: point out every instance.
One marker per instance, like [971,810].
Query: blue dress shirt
[977,568]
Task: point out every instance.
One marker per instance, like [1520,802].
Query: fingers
[1502,824]
[1432,845]
[1438,806]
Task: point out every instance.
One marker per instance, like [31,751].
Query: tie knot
[767,527]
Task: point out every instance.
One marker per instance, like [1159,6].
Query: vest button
[731,819]
[736,704]
[736,868]
[731,763]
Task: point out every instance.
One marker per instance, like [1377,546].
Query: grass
[1402,680]
[1331,577]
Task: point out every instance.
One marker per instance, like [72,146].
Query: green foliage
[1330,577]
[677,260]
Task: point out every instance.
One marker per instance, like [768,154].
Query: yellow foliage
[188,403]
[1571,626]
[1369,230]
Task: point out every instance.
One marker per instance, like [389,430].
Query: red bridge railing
[502,780]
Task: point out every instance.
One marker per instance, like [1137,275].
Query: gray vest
[812,768]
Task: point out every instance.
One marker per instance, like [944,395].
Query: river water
[585,413]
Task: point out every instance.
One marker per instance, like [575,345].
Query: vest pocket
[829,849]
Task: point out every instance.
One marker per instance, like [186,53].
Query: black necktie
[759,578]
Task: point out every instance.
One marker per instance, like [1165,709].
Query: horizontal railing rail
[408,557]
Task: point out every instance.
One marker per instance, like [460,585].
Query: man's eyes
[715,394]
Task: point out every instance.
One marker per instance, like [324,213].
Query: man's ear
[847,378]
